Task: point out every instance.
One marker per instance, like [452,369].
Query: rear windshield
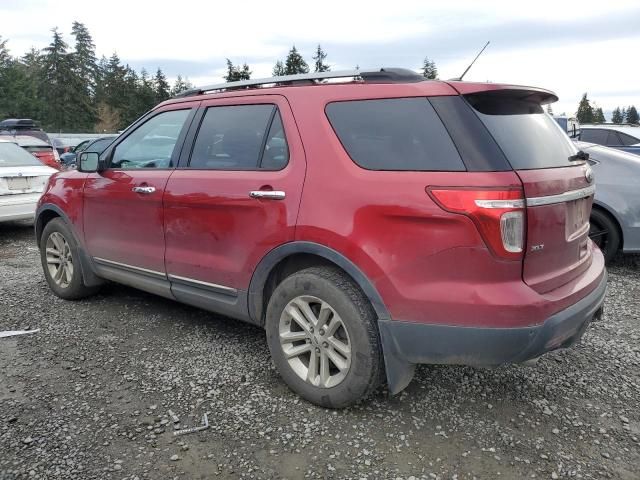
[394,134]
[529,138]
[12,155]
[37,149]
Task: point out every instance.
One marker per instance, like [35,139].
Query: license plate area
[18,183]
[577,218]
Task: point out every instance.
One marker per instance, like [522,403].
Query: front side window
[594,135]
[152,144]
[240,137]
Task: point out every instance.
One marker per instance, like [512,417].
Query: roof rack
[383,75]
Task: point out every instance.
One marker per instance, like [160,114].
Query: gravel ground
[88,397]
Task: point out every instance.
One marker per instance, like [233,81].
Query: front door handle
[143,189]
[270,194]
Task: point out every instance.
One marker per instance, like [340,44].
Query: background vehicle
[66,144]
[39,149]
[23,126]
[22,181]
[622,137]
[615,217]
[96,145]
[568,124]
[368,225]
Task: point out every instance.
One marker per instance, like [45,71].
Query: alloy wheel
[315,341]
[59,259]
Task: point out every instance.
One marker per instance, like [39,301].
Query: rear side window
[529,138]
[628,139]
[394,134]
[240,137]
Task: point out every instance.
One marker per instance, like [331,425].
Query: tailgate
[556,180]
[557,237]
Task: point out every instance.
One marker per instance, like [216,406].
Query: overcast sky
[568,46]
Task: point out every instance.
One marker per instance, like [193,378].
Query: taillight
[498,214]
[56,155]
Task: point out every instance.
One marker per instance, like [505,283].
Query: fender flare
[89,277]
[271,259]
[399,372]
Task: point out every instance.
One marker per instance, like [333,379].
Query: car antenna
[459,79]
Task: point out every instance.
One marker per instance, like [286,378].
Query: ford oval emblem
[588,174]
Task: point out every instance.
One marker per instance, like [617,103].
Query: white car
[22,181]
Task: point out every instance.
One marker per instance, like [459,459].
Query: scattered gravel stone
[99,391]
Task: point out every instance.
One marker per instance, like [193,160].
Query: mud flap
[399,371]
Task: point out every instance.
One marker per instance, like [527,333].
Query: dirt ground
[88,397]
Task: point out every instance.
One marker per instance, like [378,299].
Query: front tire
[61,262]
[323,337]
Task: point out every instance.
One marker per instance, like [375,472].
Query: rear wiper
[581,155]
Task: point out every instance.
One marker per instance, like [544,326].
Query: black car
[97,145]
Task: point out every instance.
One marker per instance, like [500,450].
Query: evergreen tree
[113,82]
[632,115]
[429,69]
[278,69]
[72,91]
[294,63]
[5,57]
[616,116]
[146,92]
[161,86]
[132,106]
[319,57]
[179,86]
[598,115]
[58,84]
[84,82]
[235,74]
[585,111]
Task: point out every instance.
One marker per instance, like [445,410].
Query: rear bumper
[406,344]
[18,207]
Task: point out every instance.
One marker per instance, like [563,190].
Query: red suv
[368,222]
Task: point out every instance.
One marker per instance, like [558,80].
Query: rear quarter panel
[414,253]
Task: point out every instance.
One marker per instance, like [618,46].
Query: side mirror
[90,162]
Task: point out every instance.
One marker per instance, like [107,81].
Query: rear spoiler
[515,92]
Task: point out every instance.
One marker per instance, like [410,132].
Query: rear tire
[61,262]
[323,337]
[604,233]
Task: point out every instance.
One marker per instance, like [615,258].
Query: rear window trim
[426,98]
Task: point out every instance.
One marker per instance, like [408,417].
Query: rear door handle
[270,194]
[143,189]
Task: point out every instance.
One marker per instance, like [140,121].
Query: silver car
[615,218]
[622,137]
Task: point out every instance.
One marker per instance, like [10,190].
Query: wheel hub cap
[59,260]
[315,341]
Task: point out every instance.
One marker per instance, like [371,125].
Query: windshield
[12,155]
[529,138]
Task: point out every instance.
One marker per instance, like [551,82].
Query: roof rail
[383,75]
